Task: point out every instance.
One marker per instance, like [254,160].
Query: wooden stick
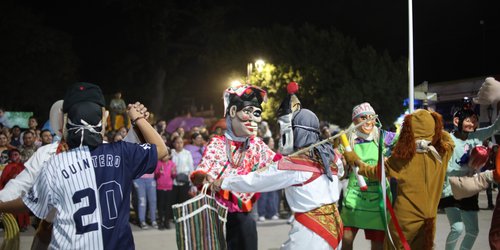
[331,138]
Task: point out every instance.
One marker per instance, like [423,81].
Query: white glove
[489,92]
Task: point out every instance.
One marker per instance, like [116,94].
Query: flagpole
[410,58]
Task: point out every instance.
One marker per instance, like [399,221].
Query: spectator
[3,118]
[46,137]
[195,129]
[117,137]
[325,132]
[123,131]
[11,170]
[38,137]
[32,123]
[4,143]
[165,171]
[28,148]
[118,106]
[184,166]
[264,130]
[161,127]
[146,194]
[15,139]
[267,205]
[181,132]
[196,148]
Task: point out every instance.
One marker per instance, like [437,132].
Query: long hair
[437,140]
[405,148]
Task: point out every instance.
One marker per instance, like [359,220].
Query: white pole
[410,58]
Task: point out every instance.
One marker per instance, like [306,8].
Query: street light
[259,65]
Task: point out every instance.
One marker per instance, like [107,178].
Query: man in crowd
[46,137]
[28,147]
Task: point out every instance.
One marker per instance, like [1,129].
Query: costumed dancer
[310,179]
[418,163]
[70,184]
[237,152]
[462,214]
[361,208]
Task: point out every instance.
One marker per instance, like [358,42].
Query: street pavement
[274,232]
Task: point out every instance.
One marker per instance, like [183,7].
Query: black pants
[165,203]
[241,232]
[180,194]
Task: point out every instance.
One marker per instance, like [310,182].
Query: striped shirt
[91,193]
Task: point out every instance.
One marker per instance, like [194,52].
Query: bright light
[259,65]
[235,83]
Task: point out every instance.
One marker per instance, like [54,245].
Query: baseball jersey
[91,192]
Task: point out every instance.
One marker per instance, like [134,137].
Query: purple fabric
[185,122]
[196,153]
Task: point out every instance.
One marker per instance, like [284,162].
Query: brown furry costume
[420,177]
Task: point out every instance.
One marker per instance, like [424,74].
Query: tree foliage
[335,73]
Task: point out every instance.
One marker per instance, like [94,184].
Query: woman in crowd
[184,165]
[196,147]
[146,193]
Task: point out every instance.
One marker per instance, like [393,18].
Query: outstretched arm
[137,113]
[263,180]
[13,206]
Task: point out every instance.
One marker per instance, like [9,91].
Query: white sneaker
[275,217]
[262,218]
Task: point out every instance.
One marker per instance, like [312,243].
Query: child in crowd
[164,174]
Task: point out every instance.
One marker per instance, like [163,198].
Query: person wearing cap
[462,214]
[310,179]
[418,162]
[360,209]
[238,152]
[91,171]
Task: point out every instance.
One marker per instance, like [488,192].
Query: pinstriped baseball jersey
[91,192]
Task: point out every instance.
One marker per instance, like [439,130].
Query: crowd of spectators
[154,193]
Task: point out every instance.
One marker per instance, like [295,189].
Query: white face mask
[245,122]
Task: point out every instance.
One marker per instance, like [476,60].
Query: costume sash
[324,221]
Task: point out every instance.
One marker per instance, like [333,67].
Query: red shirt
[10,171]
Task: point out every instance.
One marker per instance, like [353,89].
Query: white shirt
[24,180]
[183,162]
[300,198]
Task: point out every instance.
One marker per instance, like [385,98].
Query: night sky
[452,39]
